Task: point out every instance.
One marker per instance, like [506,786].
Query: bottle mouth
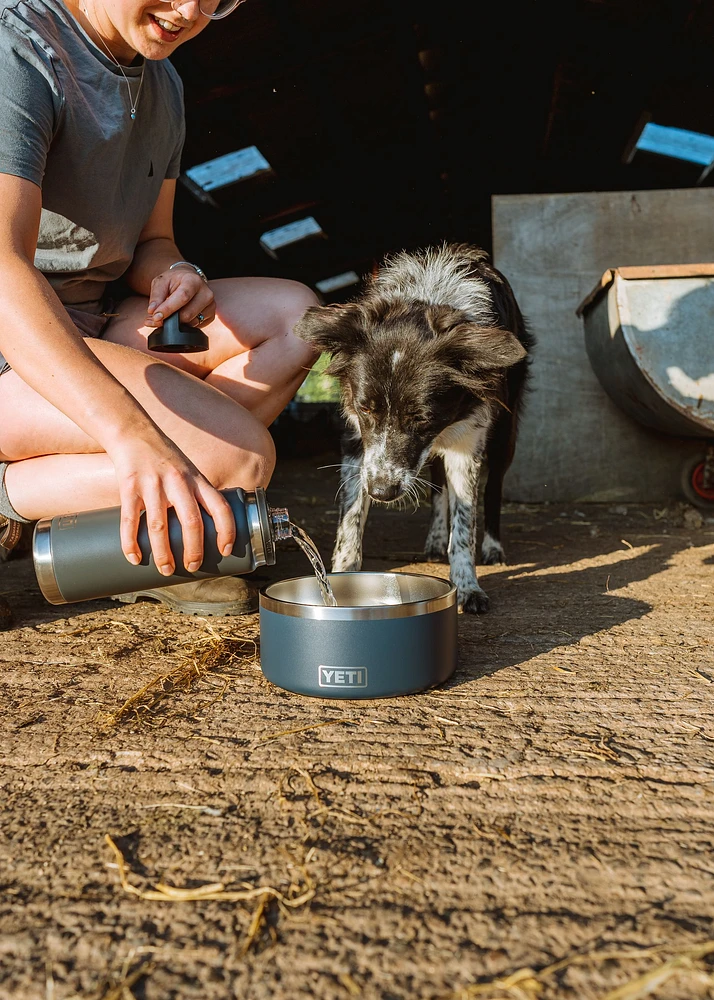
[280,523]
[267,525]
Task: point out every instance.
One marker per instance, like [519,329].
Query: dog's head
[408,372]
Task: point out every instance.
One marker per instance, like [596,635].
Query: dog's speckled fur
[432,360]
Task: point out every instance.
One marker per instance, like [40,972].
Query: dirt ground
[539,827]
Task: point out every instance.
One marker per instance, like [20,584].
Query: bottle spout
[280,523]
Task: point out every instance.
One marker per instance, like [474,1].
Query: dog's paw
[435,556]
[492,552]
[474,602]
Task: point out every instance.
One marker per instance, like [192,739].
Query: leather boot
[225,595]
[10,532]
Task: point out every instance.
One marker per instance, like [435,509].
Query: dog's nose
[385,492]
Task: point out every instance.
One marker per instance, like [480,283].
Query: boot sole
[192,607]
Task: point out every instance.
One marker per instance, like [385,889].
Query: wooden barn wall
[574,443]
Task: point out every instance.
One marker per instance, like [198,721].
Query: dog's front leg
[436,546]
[354,506]
[462,472]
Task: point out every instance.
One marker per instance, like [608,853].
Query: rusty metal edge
[639,271]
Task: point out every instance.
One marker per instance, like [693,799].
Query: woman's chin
[153,48]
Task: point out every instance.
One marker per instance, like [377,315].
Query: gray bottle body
[78,557]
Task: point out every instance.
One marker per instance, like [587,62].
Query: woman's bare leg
[253,356]
[214,406]
[56,467]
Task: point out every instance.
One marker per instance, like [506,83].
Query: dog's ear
[486,348]
[334,329]
[478,347]
[478,355]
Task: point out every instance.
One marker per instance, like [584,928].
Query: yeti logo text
[343,677]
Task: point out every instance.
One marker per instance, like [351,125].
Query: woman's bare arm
[180,290]
[42,345]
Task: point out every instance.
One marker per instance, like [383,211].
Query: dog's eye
[365,410]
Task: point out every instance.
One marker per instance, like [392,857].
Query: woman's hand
[154,476]
[180,290]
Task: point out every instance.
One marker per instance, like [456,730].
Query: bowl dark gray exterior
[363,648]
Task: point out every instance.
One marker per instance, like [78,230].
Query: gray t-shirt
[65,124]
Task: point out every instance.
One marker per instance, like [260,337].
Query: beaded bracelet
[187,263]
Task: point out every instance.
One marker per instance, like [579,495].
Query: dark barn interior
[393,124]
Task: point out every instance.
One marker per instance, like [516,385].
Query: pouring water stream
[311,551]
[285,528]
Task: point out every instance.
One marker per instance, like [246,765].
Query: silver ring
[201,318]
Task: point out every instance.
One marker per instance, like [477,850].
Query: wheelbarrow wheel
[693,486]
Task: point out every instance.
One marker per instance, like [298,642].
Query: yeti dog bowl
[391,634]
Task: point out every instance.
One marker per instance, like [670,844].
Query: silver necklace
[133,104]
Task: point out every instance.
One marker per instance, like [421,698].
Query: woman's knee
[296,300]
[282,302]
[248,461]
[291,302]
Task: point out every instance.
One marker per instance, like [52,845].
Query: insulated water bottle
[78,557]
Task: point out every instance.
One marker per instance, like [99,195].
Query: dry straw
[323,811]
[527,984]
[208,653]
[213,891]
[216,891]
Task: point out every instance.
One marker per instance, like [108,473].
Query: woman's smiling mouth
[168,31]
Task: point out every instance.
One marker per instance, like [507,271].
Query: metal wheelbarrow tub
[649,335]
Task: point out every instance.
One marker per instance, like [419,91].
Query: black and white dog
[432,359]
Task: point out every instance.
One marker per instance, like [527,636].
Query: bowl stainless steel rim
[356,612]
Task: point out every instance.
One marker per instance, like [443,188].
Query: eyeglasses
[214,9]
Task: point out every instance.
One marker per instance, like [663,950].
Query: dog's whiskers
[345,482]
[424,483]
[418,491]
[413,495]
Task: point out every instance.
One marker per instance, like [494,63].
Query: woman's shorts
[89,325]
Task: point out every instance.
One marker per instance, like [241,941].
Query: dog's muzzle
[385,491]
[387,477]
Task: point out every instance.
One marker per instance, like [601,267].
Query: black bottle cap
[177,338]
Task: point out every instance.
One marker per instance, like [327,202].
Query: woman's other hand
[180,290]
[154,476]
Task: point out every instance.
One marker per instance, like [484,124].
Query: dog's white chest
[466,437]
